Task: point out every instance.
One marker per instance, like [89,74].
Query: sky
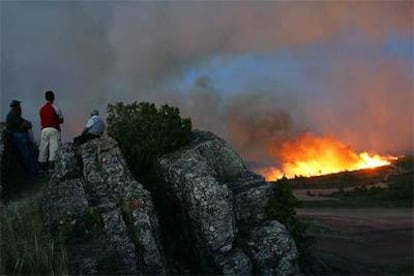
[255,73]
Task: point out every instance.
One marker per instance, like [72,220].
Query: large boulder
[210,216]
[223,208]
[106,216]
[271,249]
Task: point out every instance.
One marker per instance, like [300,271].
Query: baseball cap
[94,112]
[14,103]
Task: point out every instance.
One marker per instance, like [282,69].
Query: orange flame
[310,155]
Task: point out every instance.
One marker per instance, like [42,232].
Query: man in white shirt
[93,129]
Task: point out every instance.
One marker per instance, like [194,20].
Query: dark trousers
[22,144]
[85,137]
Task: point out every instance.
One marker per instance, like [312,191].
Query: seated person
[94,129]
[18,130]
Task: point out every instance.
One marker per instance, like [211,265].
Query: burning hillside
[309,155]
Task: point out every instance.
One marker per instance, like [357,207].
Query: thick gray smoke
[59,46]
[95,53]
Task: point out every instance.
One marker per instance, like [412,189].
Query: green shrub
[401,189]
[26,246]
[399,193]
[282,207]
[145,132]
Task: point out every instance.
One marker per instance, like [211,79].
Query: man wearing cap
[18,130]
[94,129]
[50,120]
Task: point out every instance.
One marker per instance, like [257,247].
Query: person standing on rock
[93,129]
[50,120]
[17,129]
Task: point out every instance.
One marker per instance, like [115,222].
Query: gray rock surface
[216,209]
[92,191]
[272,250]
[219,198]
[234,262]
[250,198]
[64,197]
[119,239]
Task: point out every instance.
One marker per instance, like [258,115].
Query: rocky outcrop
[272,250]
[107,217]
[210,216]
[223,210]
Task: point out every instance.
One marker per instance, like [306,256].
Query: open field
[357,219]
[366,241]
[318,194]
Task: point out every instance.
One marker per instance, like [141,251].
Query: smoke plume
[95,53]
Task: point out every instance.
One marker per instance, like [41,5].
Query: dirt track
[370,237]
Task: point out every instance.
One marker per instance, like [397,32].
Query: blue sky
[300,70]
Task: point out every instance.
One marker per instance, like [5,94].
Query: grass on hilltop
[26,246]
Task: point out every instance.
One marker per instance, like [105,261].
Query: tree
[282,207]
[145,132]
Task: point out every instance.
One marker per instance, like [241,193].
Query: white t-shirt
[58,111]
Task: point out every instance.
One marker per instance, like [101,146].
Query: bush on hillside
[398,193]
[282,207]
[145,132]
